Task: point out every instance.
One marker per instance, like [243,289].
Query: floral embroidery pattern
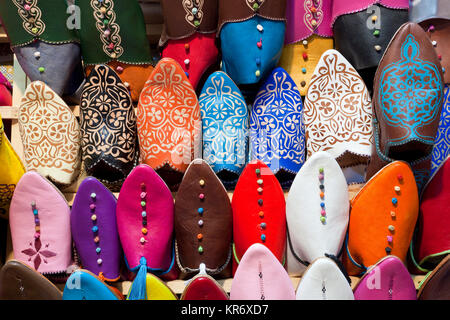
[106,25]
[108,121]
[313,17]
[441,149]
[168,118]
[338,109]
[194,11]
[276,124]
[31,16]
[225,124]
[37,255]
[50,134]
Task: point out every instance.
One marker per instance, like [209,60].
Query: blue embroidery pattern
[277,131]
[441,149]
[410,93]
[225,124]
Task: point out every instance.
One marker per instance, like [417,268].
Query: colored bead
[27,7]
[92,206]
[202,182]
[37,222]
[313,9]
[321,176]
[434,43]
[388,250]
[200,249]
[186,46]
[111,46]
[377,47]
[258,61]
[143,195]
[199,236]
[37,54]
[93,195]
[126,84]
[261,214]
[96,239]
[99,261]
[255,6]
[374,18]
[392,214]
[33,204]
[105,22]
[144,222]
[376,33]
[106,33]
[259,44]
[144,230]
[187,61]
[263,225]
[260,202]
[431,28]
[260,190]
[305,42]
[187,74]
[37,235]
[143,203]
[98,250]
[103,10]
[37,228]
[144,214]
[94,229]
[260,28]
[41,69]
[142,186]
[389,239]
[93,217]
[321,170]
[391,228]
[399,177]
[259,181]
[35,212]
[323,219]
[200,223]
[322,194]
[196,23]
[322,187]
[439,57]
[258,171]
[397,189]
[257,73]
[322,204]
[303,83]
[304,70]
[194,11]
[263,237]
[323,213]
[119,69]
[305,55]
[142,240]
[201,196]
[113,55]
[394,201]
[34,30]
[200,210]
[314,23]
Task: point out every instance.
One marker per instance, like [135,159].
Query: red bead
[305,55]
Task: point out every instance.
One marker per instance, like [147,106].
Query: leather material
[323,280]
[433,240]
[157,247]
[240,10]
[338,113]
[354,28]
[249,55]
[441,148]
[435,286]
[312,238]
[181,22]
[50,134]
[108,127]
[305,18]
[5,91]
[61,62]
[20,282]
[301,69]
[225,121]
[382,218]
[40,225]
[157,289]
[168,119]
[203,221]
[204,287]
[260,276]
[405,125]
[10,172]
[277,132]
[388,279]
[198,50]
[259,215]
[95,206]
[83,285]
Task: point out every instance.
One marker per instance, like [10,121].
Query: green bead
[323,219]
[258,171]
[105,22]
[376,33]
[196,23]
[41,69]
[255,6]
[200,249]
[321,170]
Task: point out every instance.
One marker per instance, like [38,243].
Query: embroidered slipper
[204,287]
[94,229]
[435,285]
[156,289]
[441,148]
[382,218]
[203,222]
[338,115]
[108,128]
[168,119]
[113,33]
[50,135]
[323,280]
[259,212]
[260,276]
[388,279]
[10,172]
[84,285]
[5,91]
[277,132]
[45,47]
[189,35]
[363,29]
[145,214]
[252,36]
[407,104]
[40,225]
[317,212]
[20,282]
[434,17]
[225,124]
[432,243]
[308,35]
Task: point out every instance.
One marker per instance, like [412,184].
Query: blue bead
[187,74]
[98,250]
[35,212]
[258,61]
[263,237]
[263,225]
[94,229]
[144,214]
[394,200]
[322,204]
[200,210]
